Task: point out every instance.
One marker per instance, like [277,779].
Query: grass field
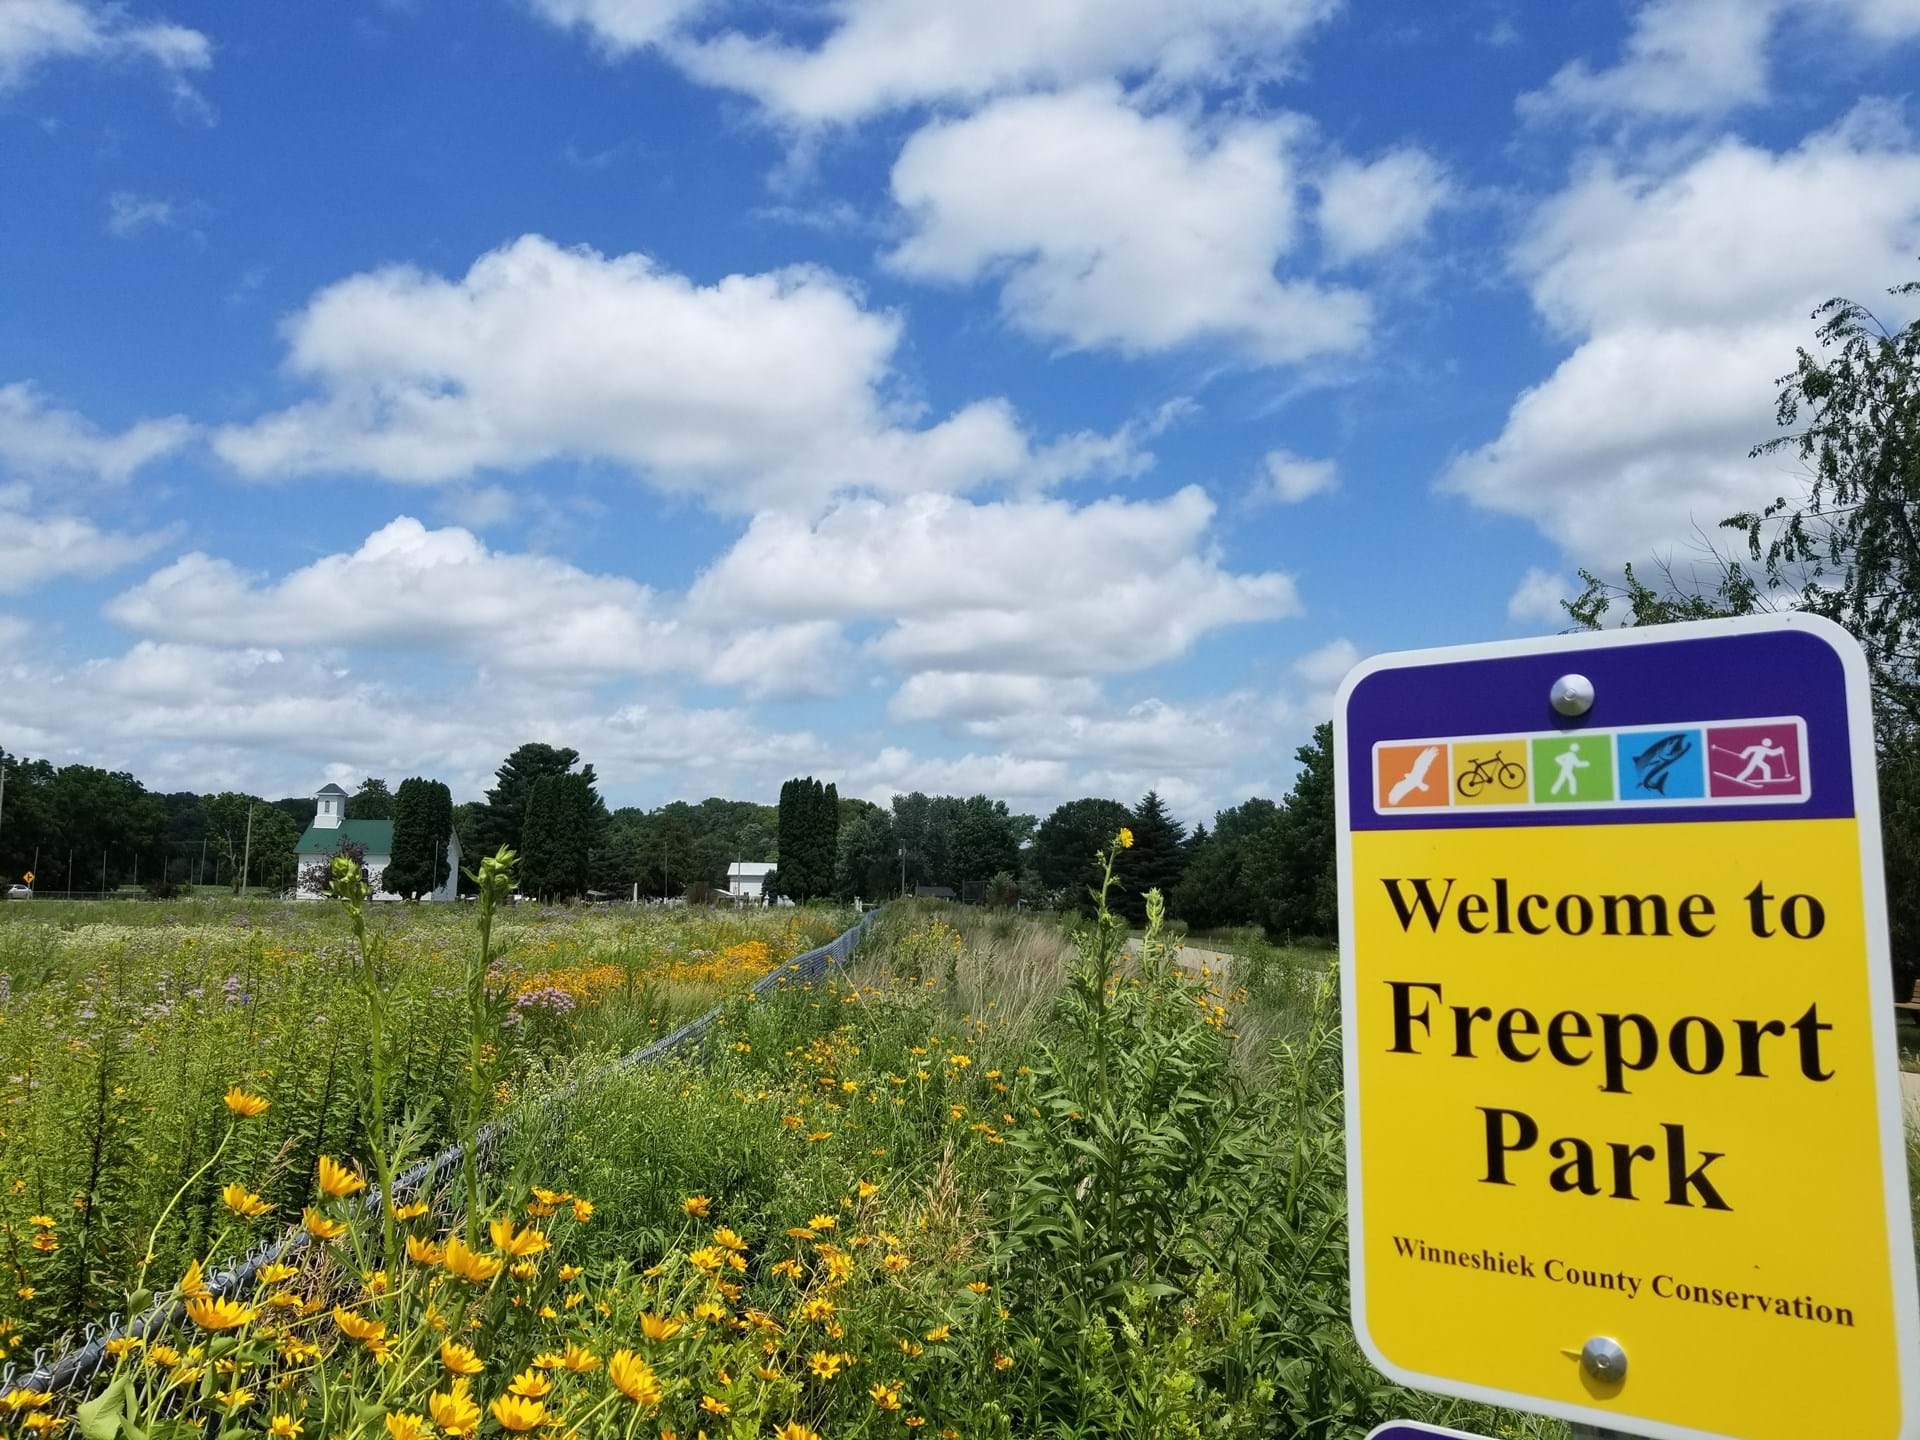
[122,1026]
[1002,1177]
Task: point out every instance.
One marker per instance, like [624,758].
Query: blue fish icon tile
[1662,765]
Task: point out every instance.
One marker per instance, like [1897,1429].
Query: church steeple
[331,811]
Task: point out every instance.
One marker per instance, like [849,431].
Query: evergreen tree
[1066,842]
[1297,874]
[1217,888]
[557,836]
[500,822]
[1156,860]
[372,801]
[422,821]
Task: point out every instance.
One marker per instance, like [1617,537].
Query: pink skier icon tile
[1755,761]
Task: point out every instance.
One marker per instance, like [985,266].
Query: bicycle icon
[1496,769]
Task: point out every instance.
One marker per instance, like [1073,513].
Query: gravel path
[1192,957]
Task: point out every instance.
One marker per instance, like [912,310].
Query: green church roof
[374,836]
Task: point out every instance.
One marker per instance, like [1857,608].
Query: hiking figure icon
[1416,776]
[1568,761]
[1496,768]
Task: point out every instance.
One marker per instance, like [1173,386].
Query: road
[1192,957]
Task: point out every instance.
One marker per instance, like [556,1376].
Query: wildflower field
[123,1025]
[996,1178]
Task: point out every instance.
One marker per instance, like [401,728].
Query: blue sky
[1040,398]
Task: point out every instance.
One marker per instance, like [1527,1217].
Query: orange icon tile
[1407,777]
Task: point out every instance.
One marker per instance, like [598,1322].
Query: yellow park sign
[1624,1135]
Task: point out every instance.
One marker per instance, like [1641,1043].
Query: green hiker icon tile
[1572,769]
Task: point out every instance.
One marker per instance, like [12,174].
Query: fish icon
[1416,776]
[1653,764]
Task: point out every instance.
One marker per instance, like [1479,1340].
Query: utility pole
[69,870]
[246,861]
[200,875]
[903,871]
[103,874]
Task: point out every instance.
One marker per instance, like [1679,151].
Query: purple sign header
[1745,725]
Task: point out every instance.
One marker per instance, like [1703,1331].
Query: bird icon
[1416,776]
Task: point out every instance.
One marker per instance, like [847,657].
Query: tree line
[1262,863]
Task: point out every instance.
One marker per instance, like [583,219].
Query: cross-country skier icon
[1416,776]
[1757,772]
[1568,762]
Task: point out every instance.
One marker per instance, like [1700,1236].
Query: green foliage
[125,1024]
[372,801]
[252,840]
[558,834]
[1157,858]
[809,820]
[499,822]
[1066,841]
[1295,871]
[1217,889]
[1848,546]
[867,865]
[422,824]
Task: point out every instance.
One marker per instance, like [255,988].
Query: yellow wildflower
[706,1258]
[582,1211]
[824,1364]
[234,1397]
[1003,1362]
[211,1314]
[579,1359]
[453,1410]
[532,1384]
[275,1273]
[656,1327]
[459,1360]
[517,1413]
[320,1227]
[424,1252]
[402,1426]
[713,1406]
[634,1378]
[516,1243]
[193,1284]
[285,1427]
[940,1332]
[464,1263]
[887,1397]
[337,1181]
[794,1430]
[1126,838]
[823,1222]
[358,1327]
[728,1238]
[412,1210]
[245,1104]
[697,1206]
[978,1287]
[243,1202]
[867,1189]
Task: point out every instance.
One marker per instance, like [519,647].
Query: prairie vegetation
[997,1178]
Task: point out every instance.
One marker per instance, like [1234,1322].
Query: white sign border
[1893,1147]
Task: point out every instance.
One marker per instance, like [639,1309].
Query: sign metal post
[1624,1134]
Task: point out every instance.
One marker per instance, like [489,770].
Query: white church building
[331,826]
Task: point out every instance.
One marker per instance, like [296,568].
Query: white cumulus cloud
[38,545]
[877,55]
[1686,59]
[757,389]
[36,32]
[40,441]
[1032,587]
[1686,294]
[1368,208]
[1286,479]
[1108,227]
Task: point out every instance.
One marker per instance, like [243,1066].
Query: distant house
[934,892]
[746,879]
[330,827]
